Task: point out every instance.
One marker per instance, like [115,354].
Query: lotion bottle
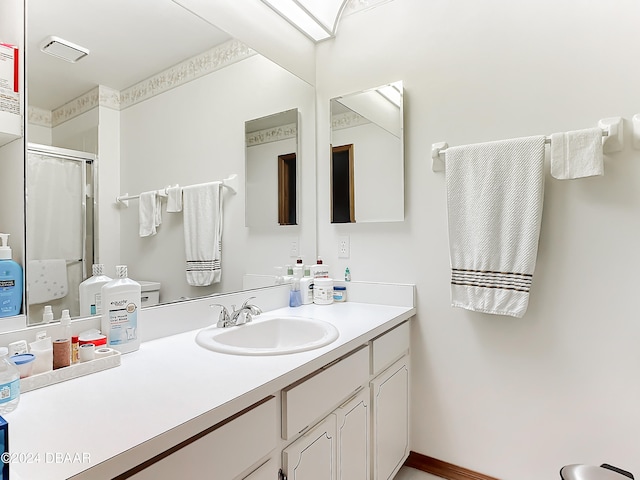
[120,310]
[306,288]
[90,291]
[11,281]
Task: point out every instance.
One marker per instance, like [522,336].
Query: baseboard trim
[442,469]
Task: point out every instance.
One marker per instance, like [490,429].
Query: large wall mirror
[271,164]
[367,156]
[142,112]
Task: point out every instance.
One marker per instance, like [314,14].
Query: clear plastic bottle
[9,383]
[47,315]
[295,298]
[65,323]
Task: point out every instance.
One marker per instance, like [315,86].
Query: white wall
[377,176]
[512,398]
[12,188]
[78,133]
[194,134]
[262,181]
[107,224]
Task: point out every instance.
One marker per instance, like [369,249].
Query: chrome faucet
[237,317]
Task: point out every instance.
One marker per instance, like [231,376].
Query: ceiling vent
[63,49]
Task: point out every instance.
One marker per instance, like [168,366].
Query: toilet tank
[150,293]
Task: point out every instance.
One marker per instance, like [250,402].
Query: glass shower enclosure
[59,228]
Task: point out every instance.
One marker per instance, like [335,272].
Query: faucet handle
[255,310]
[224,318]
[246,302]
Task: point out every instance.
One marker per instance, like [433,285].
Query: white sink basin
[269,336]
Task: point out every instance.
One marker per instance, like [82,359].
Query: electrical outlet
[294,251]
[344,251]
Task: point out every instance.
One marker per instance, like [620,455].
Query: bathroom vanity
[175,409]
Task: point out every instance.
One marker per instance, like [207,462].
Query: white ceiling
[129,41]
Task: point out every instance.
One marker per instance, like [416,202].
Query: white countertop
[103,424]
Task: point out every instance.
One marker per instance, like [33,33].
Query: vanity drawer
[388,347]
[225,450]
[309,399]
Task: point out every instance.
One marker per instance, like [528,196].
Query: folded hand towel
[494,203]
[46,280]
[577,154]
[174,199]
[202,212]
[149,213]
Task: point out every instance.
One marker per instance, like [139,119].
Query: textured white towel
[494,202]
[577,154]
[149,213]
[202,212]
[174,199]
[47,280]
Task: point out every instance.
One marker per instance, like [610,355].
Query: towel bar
[230,183]
[611,128]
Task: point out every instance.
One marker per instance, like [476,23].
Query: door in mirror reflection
[342,205]
[367,164]
[287,189]
[271,176]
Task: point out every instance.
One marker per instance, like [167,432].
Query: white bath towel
[46,280]
[202,212]
[494,202]
[577,154]
[174,199]
[149,213]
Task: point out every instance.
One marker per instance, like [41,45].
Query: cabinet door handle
[281,475]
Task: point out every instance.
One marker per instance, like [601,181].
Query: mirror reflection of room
[367,159]
[271,170]
[175,119]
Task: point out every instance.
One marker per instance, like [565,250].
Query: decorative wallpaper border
[218,57]
[355,6]
[75,107]
[347,120]
[269,135]
[39,116]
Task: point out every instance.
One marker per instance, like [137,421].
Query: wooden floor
[407,473]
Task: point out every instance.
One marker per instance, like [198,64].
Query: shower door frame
[73,155]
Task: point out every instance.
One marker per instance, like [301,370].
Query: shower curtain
[56,194]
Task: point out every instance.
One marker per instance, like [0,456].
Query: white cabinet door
[313,456]
[390,420]
[353,438]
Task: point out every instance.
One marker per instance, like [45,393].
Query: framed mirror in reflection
[367,156]
[271,163]
[176,118]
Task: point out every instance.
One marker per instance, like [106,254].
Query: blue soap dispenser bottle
[11,281]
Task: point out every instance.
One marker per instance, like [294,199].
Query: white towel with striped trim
[202,217]
[494,203]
